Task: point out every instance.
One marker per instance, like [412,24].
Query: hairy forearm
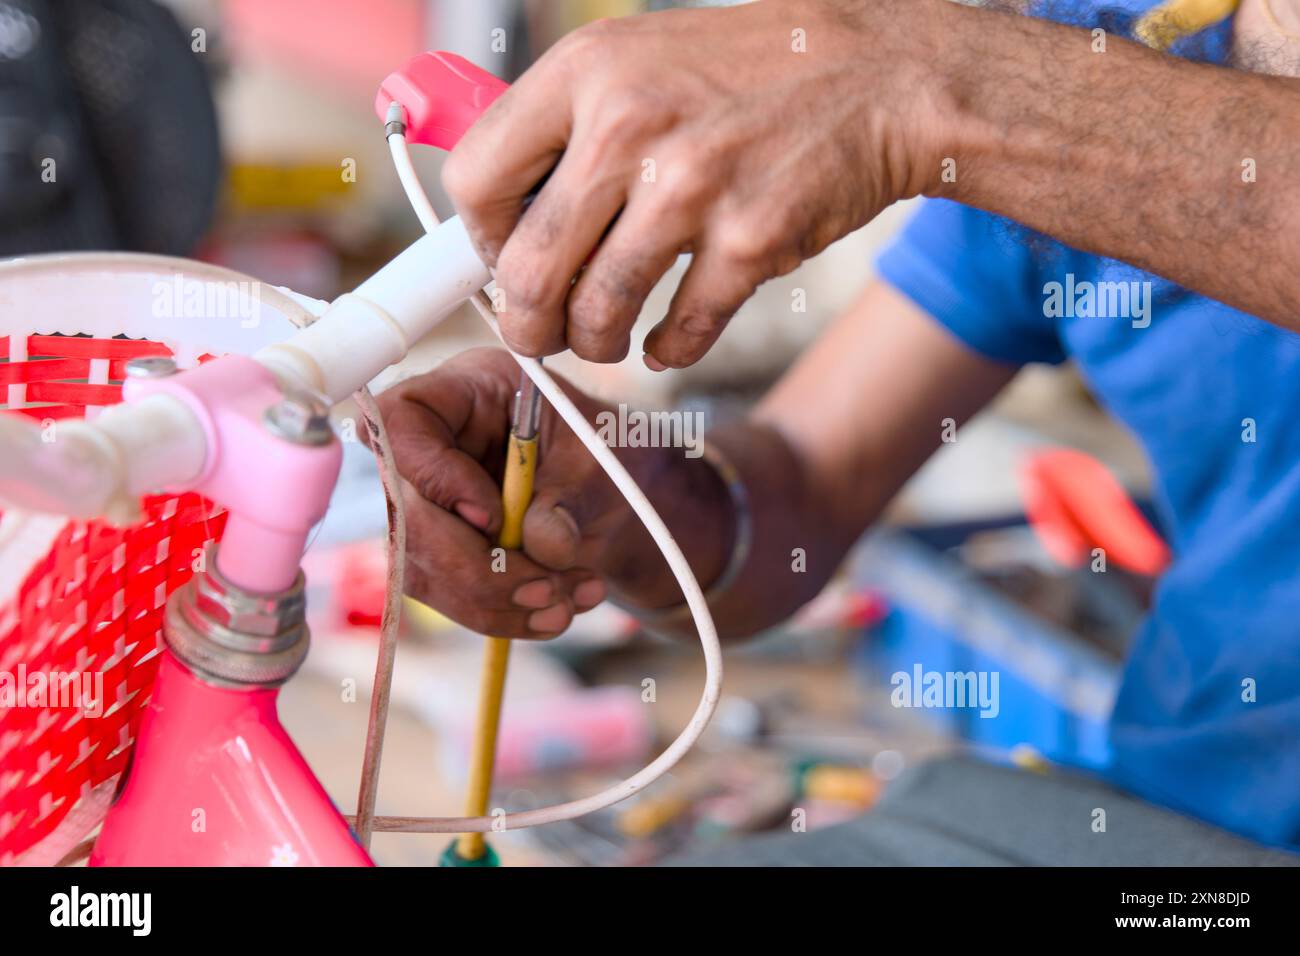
[1183,169]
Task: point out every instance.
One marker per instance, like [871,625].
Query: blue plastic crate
[1054,692]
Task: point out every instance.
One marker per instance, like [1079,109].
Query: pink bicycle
[161,471]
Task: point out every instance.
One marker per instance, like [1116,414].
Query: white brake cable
[654,524]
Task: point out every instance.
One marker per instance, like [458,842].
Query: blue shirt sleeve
[975,275]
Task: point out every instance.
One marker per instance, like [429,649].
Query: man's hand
[752,137]
[819,458]
[449,430]
[708,131]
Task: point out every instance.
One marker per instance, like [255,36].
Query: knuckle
[598,314]
[526,288]
[432,481]
[416,398]
[684,179]
[745,244]
[588,42]
[462,179]
[623,118]
[525,293]
[700,321]
[599,328]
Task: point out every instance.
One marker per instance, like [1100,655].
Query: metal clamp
[235,638]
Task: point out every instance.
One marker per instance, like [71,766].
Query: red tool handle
[444,94]
[1075,504]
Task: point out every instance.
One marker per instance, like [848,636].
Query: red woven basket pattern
[92,605]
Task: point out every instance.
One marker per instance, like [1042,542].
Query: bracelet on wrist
[741,545]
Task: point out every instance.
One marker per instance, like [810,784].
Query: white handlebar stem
[366,330]
[86,470]
[89,469]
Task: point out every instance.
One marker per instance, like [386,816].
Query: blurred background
[241,132]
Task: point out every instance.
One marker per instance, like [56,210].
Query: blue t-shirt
[1213,394]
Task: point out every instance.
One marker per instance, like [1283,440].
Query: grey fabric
[960,811]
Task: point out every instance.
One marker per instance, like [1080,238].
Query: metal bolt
[299,420]
[152,366]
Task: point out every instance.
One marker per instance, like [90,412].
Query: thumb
[551,534]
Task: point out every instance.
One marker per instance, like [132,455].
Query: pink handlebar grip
[444,94]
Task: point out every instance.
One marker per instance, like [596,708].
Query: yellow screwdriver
[472,849]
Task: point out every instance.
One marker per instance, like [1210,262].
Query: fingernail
[652,363]
[474,514]
[569,521]
[589,593]
[554,618]
[534,594]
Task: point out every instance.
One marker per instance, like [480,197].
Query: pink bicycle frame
[215,780]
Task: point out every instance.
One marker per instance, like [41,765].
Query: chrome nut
[300,420]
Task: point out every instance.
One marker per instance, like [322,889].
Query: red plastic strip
[72,347]
[45,370]
[72,393]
